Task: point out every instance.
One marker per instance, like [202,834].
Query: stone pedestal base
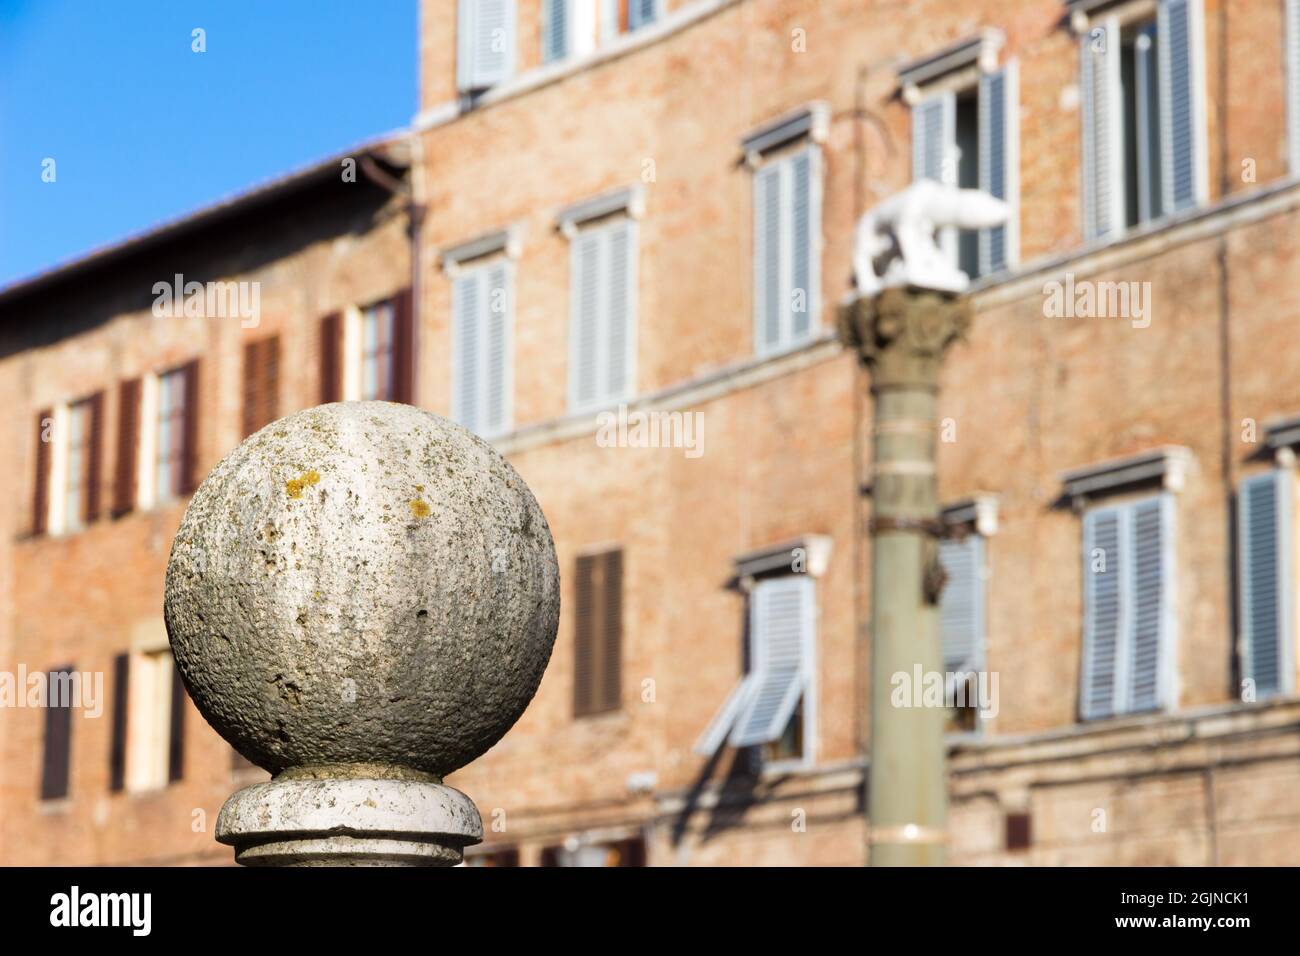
[297,822]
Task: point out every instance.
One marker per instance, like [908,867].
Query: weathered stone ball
[362,583]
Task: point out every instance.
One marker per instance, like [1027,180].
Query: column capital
[901,334]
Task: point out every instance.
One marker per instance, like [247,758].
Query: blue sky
[142,128]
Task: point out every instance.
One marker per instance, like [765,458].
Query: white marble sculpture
[895,243]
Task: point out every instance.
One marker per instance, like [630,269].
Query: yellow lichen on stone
[419,508]
[294,486]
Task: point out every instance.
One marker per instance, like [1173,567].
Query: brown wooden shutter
[252,376]
[1019,831]
[121,698]
[612,631]
[41,491]
[58,745]
[93,487]
[331,358]
[176,738]
[128,443]
[584,637]
[403,348]
[189,478]
[261,383]
[597,672]
[270,380]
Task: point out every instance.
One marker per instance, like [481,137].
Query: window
[117,748]
[78,475]
[1264,553]
[368,353]
[969,137]
[1142,193]
[641,13]
[482,366]
[568,28]
[153,731]
[1018,831]
[261,383]
[57,755]
[787,250]
[1128,591]
[603,289]
[68,448]
[485,53]
[773,706]
[171,430]
[598,652]
[623,16]
[377,377]
[961,623]
[507,856]
[1143,116]
[575,852]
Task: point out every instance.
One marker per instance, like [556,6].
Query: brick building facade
[638,212]
[148,402]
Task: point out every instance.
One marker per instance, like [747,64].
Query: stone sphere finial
[361,591]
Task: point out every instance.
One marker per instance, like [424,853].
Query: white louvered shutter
[961,604]
[1179,56]
[934,136]
[782,626]
[555,29]
[1264,553]
[999,107]
[466,307]
[1103,113]
[1104,564]
[1148,618]
[1293,79]
[804,233]
[934,151]
[586,317]
[619,309]
[641,12]
[768,232]
[465,11]
[485,43]
[722,723]
[496,311]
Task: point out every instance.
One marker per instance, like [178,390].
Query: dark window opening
[963,716]
[1139,62]
[789,746]
[968,174]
